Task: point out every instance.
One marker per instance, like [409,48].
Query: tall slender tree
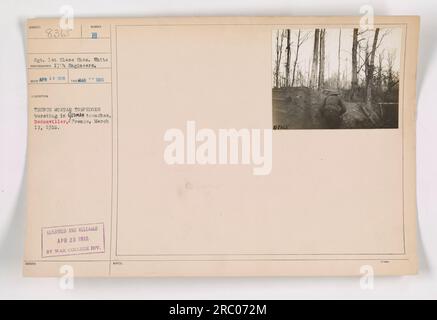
[354,71]
[321,81]
[371,69]
[296,58]
[279,45]
[315,64]
[301,38]
[339,60]
[287,62]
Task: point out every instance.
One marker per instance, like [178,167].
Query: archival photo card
[164,147]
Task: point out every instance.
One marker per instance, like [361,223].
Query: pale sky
[391,44]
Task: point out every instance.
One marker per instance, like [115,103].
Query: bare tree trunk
[296,58]
[287,63]
[314,68]
[322,60]
[354,82]
[379,77]
[371,70]
[339,60]
[279,42]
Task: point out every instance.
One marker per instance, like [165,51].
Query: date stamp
[73,240]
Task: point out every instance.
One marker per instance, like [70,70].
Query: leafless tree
[288,57]
[354,82]
[322,59]
[315,64]
[279,46]
[301,38]
[339,60]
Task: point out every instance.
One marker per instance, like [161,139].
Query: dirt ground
[300,108]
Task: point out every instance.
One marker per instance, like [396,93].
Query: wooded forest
[360,66]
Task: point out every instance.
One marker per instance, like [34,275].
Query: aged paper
[267,146]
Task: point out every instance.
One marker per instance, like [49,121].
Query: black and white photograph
[336,78]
